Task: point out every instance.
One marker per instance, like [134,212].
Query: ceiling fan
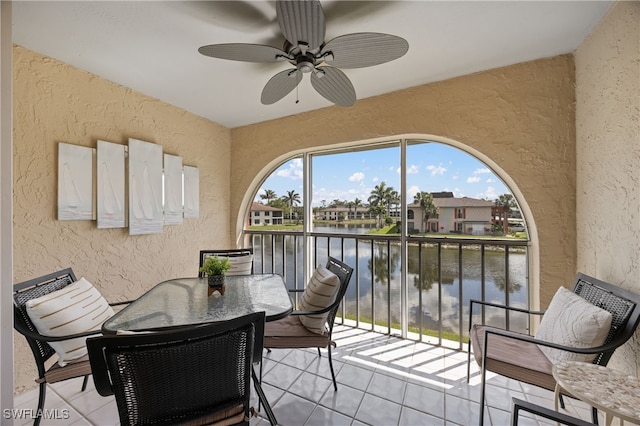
[303,25]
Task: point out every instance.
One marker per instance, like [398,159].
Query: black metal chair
[520,405]
[290,333]
[189,375]
[39,344]
[241,260]
[528,363]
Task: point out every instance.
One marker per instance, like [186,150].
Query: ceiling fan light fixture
[305,66]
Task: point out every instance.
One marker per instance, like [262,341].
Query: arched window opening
[463,236]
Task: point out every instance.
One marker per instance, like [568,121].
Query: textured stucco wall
[519,117]
[54,102]
[608,157]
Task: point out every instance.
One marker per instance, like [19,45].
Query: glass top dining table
[190,301]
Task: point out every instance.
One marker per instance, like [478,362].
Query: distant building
[333,213]
[265,215]
[455,215]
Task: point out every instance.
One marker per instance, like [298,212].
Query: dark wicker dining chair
[39,344]
[188,375]
[518,355]
[241,260]
[290,333]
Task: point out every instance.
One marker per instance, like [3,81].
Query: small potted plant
[215,268]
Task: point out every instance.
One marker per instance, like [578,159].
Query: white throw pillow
[76,308]
[240,265]
[320,292]
[572,321]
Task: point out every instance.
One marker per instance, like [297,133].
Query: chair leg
[561,399]
[260,401]
[42,395]
[84,383]
[262,397]
[482,389]
[319,354]
[469,362]
[594,415]
[333,376]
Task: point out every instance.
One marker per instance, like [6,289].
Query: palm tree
[393,198]
[291,199]
[357,202]
[505,202]
[269,194]
[382,196]
[379,194]
[427,208]
[349,204]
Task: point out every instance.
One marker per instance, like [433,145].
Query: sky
[431,167]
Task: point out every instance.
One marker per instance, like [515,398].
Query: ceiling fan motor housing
[305,63]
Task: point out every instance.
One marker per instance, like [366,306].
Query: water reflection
[441,280]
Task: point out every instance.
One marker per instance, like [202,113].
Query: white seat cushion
[572,321]
[76,308]
[320,293]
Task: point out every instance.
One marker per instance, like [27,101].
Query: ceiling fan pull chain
[297,100]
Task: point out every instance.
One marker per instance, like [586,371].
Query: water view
[437,301]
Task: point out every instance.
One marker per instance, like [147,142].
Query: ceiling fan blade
[280,85]
[302,21]
[359,50]
[333,85]
[244,52]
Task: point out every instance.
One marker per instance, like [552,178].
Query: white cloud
[293,172]
[490,193]
[356,177]
[375,179]
[474,178]
[490,180]
[412,170]
[411,192]
[437,170]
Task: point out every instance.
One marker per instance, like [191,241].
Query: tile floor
[382,380]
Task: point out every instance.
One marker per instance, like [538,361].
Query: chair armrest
[525,338]
[43,338]
[510,308]
[126,302]
[320,311]
[565,419]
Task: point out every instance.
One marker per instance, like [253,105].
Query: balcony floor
[382,380]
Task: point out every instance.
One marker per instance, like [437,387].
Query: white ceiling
[151,46]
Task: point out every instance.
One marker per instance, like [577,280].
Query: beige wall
[54,102]
[608,157]
[520,118]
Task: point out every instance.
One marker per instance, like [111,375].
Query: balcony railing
[442,275]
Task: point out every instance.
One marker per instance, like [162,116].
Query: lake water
[435,300]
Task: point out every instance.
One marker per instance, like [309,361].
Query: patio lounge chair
[189,375]
[39,343]
[291,333]
[520,356]
[241,260]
